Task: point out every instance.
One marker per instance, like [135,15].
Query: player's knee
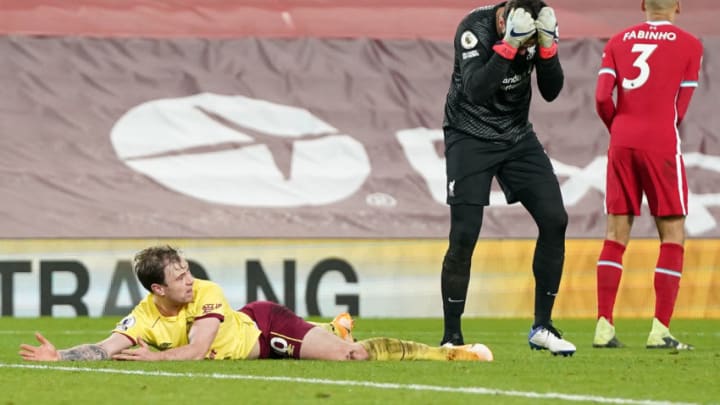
[553,220]
[620,237]
[349,351]
[459,252]
[358,352]
[457,261]
[671,229]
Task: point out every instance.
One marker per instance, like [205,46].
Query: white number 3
[645,51]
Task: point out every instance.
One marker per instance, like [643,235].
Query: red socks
[667,280]
[609,272]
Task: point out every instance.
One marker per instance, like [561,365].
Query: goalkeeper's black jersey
[489,96]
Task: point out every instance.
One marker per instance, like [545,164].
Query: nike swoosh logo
[453,300]
[549,32]
[513,33]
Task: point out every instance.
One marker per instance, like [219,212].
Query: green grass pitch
[632,375]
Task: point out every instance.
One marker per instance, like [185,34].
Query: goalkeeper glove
[519,27]
[547,29]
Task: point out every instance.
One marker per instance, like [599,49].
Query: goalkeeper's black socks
[544,302]
[455,278]
[452,311]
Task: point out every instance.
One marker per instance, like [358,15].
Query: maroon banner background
[272,136]
[380,19]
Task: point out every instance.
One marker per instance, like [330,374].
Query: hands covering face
[520,28]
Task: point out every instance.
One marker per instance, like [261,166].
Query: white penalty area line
[365,384]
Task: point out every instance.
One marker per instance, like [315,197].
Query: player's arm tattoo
[84,352]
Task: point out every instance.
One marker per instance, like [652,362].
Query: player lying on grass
[187,319]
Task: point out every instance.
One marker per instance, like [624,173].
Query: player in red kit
[654,67]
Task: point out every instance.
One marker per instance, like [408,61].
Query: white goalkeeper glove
[519,27]
[547,29]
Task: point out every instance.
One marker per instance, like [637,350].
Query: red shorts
[630,172]
[282,331]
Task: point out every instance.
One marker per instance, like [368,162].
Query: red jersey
[655,67]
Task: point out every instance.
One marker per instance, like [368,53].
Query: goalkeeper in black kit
[487,134]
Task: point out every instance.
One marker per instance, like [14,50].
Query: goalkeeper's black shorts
[523,170]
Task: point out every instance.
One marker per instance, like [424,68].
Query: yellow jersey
[235,338]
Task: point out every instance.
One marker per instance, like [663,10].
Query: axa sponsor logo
[248,152]
[240,151]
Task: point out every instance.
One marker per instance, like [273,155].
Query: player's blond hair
[657,5]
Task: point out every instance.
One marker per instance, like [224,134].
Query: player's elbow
[601,100]
[604,107]
[550,95]
[550,86]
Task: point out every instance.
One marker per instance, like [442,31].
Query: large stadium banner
[305,143]
[308,138]
[368,278]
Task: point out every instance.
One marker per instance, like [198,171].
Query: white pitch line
[65,332]
[367,384]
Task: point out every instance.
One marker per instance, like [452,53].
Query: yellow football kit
[234,340]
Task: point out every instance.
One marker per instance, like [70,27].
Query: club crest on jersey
[126,323]
[468,40]
[530,53]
